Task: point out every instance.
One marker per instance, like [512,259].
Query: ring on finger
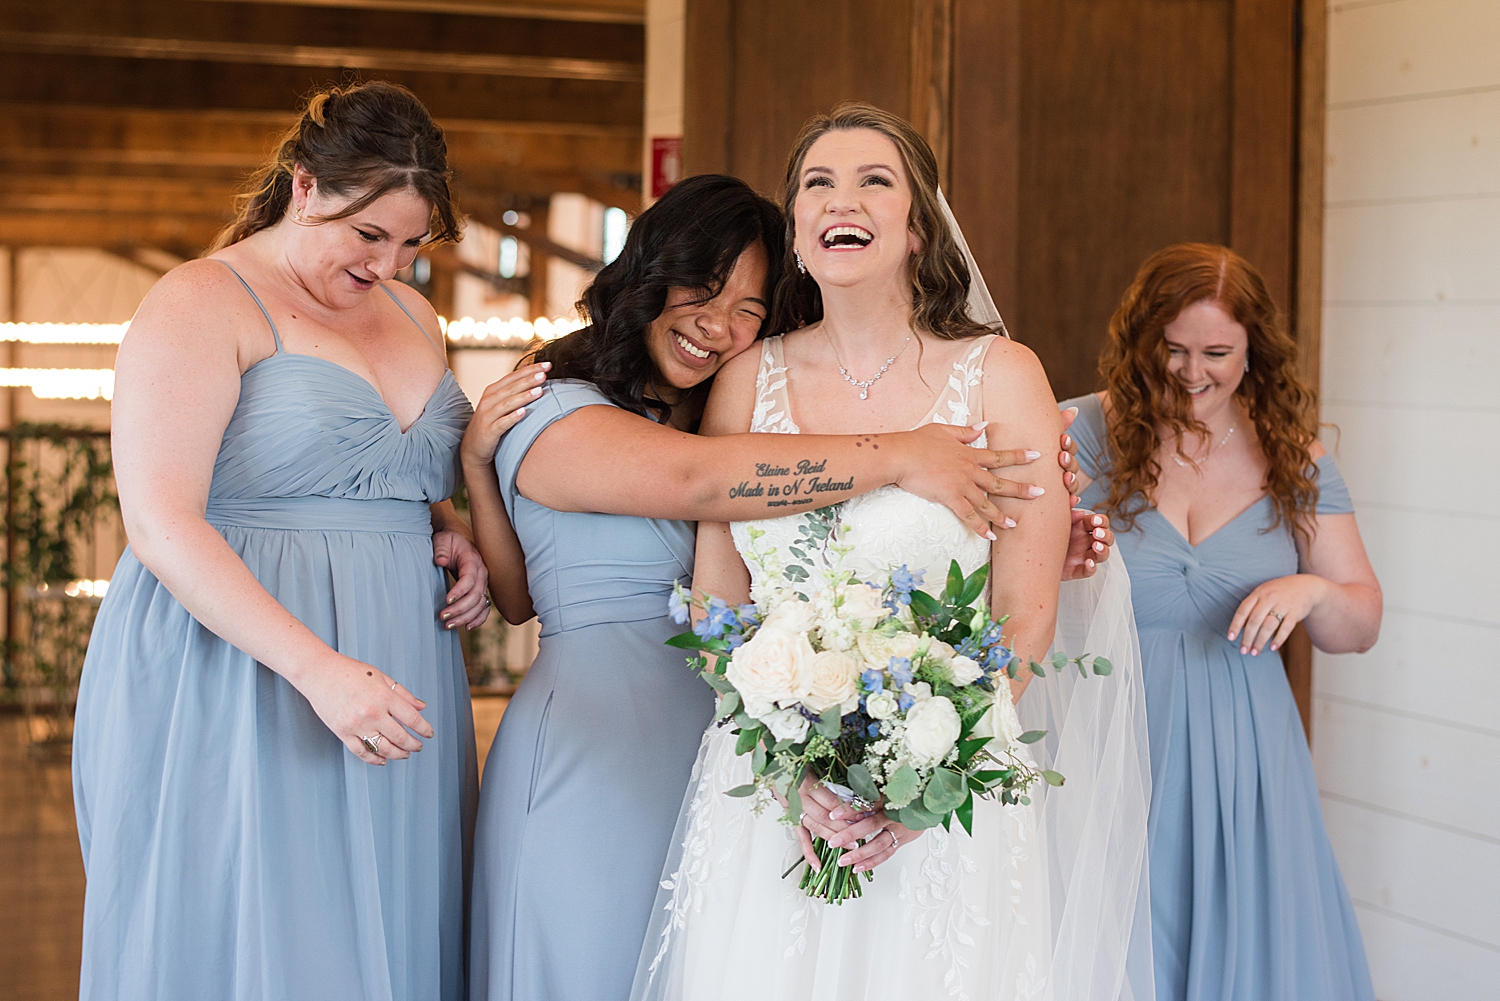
[372,743]
[1280,616]
[895,841]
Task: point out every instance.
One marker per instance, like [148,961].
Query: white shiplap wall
[1407,737]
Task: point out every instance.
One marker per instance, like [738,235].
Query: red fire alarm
[666,163]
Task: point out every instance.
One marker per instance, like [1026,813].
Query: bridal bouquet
[891,696]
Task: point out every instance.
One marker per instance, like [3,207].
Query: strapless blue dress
[1247,902]
[234,848]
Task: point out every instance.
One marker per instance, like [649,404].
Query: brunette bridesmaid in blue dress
[586,776]
[255,821]
[1235,527]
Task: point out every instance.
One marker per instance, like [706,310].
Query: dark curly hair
[938,272]
[1282,406]
[691,238]
[364,140]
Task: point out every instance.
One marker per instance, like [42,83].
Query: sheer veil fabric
[1094,826]
[1078,856]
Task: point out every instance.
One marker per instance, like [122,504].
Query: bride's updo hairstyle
[939,274]
[691,238]
[364,140]
[1144,396]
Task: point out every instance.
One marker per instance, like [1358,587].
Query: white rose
[835,677]
[881,705]
[964,670]
[774,666]
[939,652]
[787,724]
[921,691]
[879,650]
[863,604]
[932,728]
[1000,720]
[794,615]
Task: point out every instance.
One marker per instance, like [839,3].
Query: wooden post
[13,310]
[539,262]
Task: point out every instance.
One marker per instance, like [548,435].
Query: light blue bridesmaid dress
[586,776]
[1247,902]
[234,848]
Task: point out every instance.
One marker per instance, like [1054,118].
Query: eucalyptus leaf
[863,784]
[740,792]
[1053,778]
[945,792]
[758,759]
[794,804]
[1037,669]
[748,738]
[1059,659]
[903,787]
[1102,666]
[916,818]
[830,723]
[1032,736]
[730,704]
[1013,667]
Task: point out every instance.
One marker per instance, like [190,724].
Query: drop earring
[800,266]
[1247,363]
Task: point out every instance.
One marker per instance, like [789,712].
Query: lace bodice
[887,527]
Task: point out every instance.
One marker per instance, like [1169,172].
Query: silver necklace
[863,385]
[1222,441]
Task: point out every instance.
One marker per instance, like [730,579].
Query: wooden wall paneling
[708,76]
[931,102]
[788,67]
[1264,115]
[1125,148]
[985,161]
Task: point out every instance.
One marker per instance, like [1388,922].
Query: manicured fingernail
[1064,456]
[1244,650]
[1089,564]
[1034,491]
[540,377]
[981,425]
[1067,440]
[1033,455]
[546,364]
[1098,520]
[1273,647]
[520,411]
[990,536]
[537,391]
[838,812]
[1010,523]
[1098,547]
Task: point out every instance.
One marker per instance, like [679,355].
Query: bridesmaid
[608,721]
[1235,526]
[254,817]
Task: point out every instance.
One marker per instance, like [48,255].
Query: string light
[76,589]
[62,383]
[63,333]
[506,333]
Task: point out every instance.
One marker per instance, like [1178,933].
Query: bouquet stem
[834,882]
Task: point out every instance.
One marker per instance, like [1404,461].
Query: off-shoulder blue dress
[585,779]
[1247,902]
[235,849]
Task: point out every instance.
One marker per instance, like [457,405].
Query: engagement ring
[372,744]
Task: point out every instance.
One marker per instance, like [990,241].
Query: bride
[1046,900]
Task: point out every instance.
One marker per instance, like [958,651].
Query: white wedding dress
[1044,901]
[948,915]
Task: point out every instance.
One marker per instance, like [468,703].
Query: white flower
[835,677]
[793,615]
[939,652]
[774,666]
[964,670]
[863,604]
[932,728]
[919,690]
[1000,721]
[879,650]
[881,705]
[786,724]
[881,748]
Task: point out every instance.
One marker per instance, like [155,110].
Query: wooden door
[1076,138]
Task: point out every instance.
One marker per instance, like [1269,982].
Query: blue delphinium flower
[905,701]
[677,607]
[720,616]
[873,730]
[749,617]
[903,582]
[901,671]
[872,680]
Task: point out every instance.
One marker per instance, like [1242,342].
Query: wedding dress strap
[773,407]
[959,403]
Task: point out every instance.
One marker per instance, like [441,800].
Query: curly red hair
[1133,365]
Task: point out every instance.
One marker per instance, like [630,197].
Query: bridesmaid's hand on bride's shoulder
[1090,544]
[941,467]
[500,408]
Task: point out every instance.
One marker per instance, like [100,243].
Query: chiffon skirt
[235,849]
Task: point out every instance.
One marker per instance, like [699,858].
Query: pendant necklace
[1222,442]
[863,385]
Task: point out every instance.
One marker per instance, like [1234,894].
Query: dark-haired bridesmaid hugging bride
[585,517]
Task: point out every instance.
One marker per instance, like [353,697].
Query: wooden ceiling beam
[585,11]
[74,44]
[125,195]
[183,236]
[248,30]
[161,84]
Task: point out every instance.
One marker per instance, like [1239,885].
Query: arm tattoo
[790,486]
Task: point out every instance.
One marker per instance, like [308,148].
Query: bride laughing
[892,329]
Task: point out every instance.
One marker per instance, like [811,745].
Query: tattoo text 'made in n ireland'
[789,485]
